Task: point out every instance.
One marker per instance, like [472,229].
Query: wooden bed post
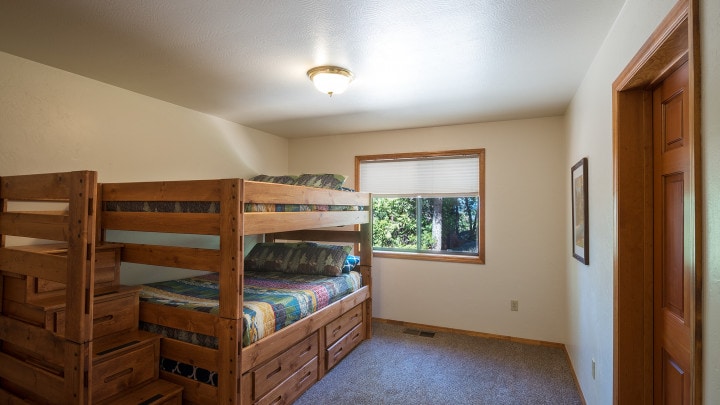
[81,257]
[80,285]
[366,270]
[231,291]
[3,208]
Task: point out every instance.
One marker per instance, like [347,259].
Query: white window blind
[424,177]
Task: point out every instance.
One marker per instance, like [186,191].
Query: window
[427,206]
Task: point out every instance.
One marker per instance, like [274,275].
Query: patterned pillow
[275,179]
[302,258]
[332,181]
[350,263]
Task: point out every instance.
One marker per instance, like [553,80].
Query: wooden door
[672,282]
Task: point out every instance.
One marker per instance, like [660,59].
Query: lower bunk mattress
[271,301]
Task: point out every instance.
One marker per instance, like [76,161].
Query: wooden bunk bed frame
[275,369]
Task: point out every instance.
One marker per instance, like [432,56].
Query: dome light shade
[330,79]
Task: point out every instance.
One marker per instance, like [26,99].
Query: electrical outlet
[593,369]
[514,305]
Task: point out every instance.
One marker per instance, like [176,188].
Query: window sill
[431,257]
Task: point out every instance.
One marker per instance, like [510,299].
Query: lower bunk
[294,329]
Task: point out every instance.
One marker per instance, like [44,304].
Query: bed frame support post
[366,271]
[231,291]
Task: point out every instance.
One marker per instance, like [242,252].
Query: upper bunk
[205,206]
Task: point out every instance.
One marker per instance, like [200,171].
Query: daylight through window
[426,205]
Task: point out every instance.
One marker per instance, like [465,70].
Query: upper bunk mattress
[272,300]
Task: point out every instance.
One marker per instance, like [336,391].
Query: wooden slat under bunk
[270,222]
[231,224]
[76,227]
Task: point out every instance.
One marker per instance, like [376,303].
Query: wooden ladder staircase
[68,330]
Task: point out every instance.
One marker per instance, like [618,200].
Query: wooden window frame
[475,259]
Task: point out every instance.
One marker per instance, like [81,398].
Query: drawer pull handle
[305,377]
[277,400]
[272,373]
[309,348]
[102,319]
[118,375]
[337,353]
[337,330]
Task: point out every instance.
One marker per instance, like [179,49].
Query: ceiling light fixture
[330,79]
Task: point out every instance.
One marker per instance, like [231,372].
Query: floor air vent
[417,332]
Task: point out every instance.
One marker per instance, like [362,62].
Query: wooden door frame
[675,41]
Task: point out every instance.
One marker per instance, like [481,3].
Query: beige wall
[52,120]
[525,229]
[710,33]
[589,125]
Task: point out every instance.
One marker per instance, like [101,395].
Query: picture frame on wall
[580,228]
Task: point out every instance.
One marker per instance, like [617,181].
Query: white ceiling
[417,63]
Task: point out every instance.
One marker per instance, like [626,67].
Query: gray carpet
[397,368]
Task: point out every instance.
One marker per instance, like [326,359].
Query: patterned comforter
[272,300]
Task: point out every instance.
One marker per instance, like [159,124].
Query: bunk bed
[279,367]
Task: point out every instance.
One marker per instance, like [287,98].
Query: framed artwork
[580,229]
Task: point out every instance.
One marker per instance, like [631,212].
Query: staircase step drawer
[158,392]
[111,314]
[123,362]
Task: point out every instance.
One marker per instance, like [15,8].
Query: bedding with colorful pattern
[271,301]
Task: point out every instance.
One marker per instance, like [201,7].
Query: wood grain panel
[31,378]
[188,353]
[673,281]
[195,392]
[186,223]
[319,235]
[47,266]
[271,193]
[673,129]
[195,321]
[191,190]
[44,344]
[36,187]
[264,222]
[33,225]
[172,256]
